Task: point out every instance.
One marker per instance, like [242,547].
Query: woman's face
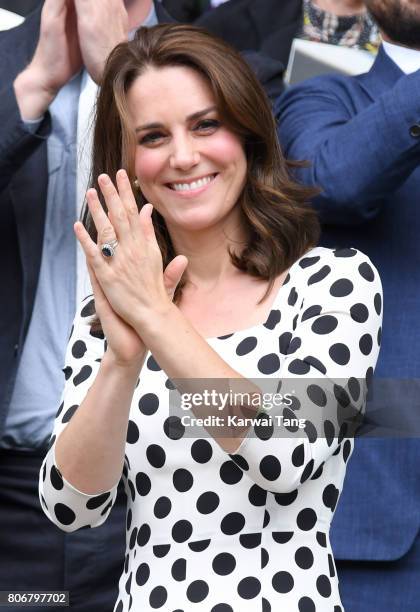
[188,164]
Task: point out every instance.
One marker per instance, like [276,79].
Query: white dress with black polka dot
[215,532]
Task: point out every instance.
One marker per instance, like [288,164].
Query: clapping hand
[56,60]
[101,27]
[73,33]
[57,55]
[132,284]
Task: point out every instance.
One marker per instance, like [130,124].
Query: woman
[237,517]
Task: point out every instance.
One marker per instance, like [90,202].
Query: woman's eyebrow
[197,115]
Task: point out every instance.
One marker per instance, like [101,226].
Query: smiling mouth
[192,185]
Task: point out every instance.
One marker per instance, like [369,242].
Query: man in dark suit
[41,71]
[44,65]
[361,136]
[270,26]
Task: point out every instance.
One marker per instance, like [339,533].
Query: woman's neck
[341,8]
[209,262]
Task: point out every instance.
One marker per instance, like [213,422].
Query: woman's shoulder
[320,263]
[336,278]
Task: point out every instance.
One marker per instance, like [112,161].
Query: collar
[381,77]
[408,60]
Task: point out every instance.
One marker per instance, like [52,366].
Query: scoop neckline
[273,305]
[261,324]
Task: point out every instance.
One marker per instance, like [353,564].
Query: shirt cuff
[32,124]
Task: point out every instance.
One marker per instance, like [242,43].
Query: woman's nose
[184,154]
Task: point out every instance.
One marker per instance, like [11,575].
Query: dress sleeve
[327,363]
[66,506]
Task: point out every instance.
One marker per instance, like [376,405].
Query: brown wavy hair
[281,225]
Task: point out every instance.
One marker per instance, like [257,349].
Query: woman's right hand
[124,346]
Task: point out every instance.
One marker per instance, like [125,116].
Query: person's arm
[357,158]
[73,33]
[18,140]
[98,394]
[56,59]
[81,471]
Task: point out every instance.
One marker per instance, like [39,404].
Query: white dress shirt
[407,59]
[9,20]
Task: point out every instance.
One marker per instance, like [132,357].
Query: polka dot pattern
[283,582]
[202,524]
[148,403]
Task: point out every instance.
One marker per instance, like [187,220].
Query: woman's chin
[194,221]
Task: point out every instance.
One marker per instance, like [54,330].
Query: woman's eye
[207,125]
[151,138]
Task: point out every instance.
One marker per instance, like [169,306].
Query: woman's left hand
[132,279]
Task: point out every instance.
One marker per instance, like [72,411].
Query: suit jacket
[361,136]
[23,197]
[23,193]
[186,11]
[268,26]
[22,7]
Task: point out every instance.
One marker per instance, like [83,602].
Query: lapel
[28,187]
[381,77]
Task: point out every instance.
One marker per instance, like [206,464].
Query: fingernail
[104,178]
[122,173]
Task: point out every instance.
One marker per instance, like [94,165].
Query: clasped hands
[74,33]
[131,289]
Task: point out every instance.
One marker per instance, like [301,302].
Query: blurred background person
[340,22]
[361,136]
[270,26]
[45,66]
